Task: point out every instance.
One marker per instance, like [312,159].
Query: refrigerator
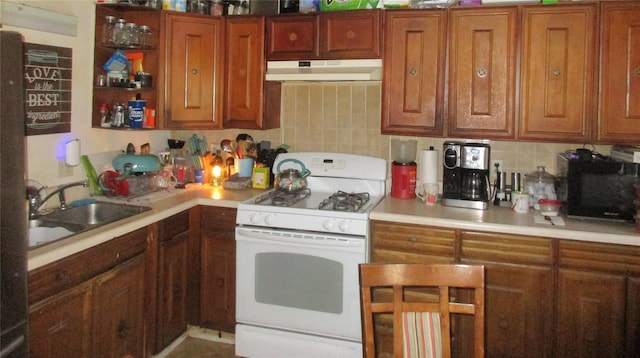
[13,226]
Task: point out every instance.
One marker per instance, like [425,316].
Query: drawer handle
[351,35]
[62,276]
[177,292]
[293,36]
[413,239]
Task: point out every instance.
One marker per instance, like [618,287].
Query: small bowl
[175,143]
[549,207]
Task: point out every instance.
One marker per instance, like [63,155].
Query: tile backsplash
[345,117]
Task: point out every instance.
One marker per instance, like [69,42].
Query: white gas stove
[297,256]
[336,180]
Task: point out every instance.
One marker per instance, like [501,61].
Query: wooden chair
[440,278]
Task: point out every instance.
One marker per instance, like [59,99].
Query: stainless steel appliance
[13,232]
[297,259]
[465,178]
[597,187]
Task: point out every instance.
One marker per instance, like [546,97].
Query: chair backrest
[441,278]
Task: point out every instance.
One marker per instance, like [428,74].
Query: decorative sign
[47,82]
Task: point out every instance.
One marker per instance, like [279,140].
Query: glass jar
[120,33]
[133,35]
[146,39]
[107,30]
[540,185]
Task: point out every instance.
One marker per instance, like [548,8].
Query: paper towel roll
[73,152]
[428,166]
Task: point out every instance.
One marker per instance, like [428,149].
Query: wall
[342,117]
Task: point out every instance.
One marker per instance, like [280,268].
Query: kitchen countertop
[503,220]
[410,211]
[163,204]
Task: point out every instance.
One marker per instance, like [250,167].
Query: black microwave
[597,187]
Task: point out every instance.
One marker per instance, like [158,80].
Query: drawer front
[218,219]
[600,257]
[394,242]
[493,247]
[174,226]
[75,269]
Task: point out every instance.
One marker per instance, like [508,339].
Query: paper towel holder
[72,149]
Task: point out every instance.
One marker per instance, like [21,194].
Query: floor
[201,348]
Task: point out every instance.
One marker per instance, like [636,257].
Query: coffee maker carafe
[466,175]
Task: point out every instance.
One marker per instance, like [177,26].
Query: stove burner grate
[282,198]
[343,201]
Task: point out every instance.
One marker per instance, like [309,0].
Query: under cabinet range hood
[325,70]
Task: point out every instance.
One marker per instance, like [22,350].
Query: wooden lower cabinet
[172,299]
[544,297]
[519,288]
[598,300]
[91,304]
[61,325]
[119,311]
[218,268]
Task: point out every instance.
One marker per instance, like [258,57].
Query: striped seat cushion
[421,335]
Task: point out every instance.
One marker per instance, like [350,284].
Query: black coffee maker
[465,178]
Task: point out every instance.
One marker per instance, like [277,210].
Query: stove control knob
[329,224]
[256,218]
[345,226]
[270,219]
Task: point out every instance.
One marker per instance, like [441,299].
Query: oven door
[297,281]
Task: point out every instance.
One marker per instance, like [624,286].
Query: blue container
[136,113]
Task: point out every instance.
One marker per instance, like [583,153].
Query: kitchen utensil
[291,180]
[548,218]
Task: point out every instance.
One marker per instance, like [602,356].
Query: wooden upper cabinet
[292,37]
[414,66]
[193,64]
[557,88]
[482,68]
[351,34]
[250,102]
[619,117]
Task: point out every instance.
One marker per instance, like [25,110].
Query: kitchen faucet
[35,202]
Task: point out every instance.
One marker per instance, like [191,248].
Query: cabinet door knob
[413,71]
[194,71]
[482,73]
[220,282]
[556,73]
[293,36]
[123,329]
[637,71]
[351,35]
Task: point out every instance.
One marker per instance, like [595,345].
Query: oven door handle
[302,239]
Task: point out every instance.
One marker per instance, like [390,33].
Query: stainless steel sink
[61,224]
